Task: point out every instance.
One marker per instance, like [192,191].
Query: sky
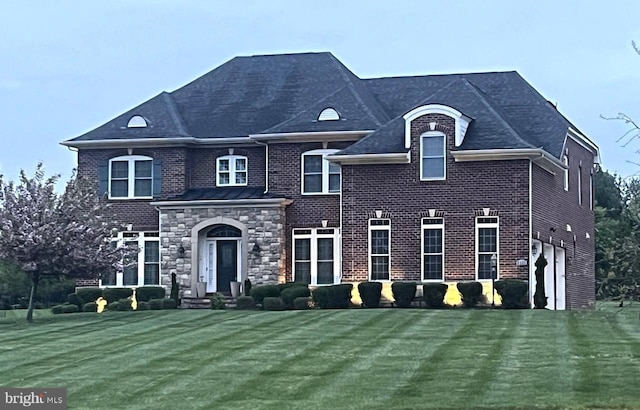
[67,67]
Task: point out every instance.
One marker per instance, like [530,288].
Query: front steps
[205,303]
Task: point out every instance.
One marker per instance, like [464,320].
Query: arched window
[329,114]
[224,231]
[137,121]
[131,177]
[433,146]
[231,170]
[320,176]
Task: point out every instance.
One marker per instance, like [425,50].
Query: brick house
[290,167]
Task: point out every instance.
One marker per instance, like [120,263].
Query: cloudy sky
[69,66]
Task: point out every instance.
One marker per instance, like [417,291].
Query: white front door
[549,276]
[560,279]
[221,264]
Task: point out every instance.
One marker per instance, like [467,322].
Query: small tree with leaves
[47,234]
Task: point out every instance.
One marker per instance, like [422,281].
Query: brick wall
[397,190]
[201,165]
[553,209]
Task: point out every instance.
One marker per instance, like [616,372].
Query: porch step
[205,303]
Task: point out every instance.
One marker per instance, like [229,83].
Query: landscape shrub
[146,293]
[175,289]
[514,293]
[218,301]
[90,307]
[143,305]
[156,304]
[113,306]
[273,303]
[471,293]
[333,297]
[403,293]
[301,303]
[289,294]
[114,294]
[246,287]
[70,309]
[370,293]
[245,303]
[433,294]
[124,305]
[286,285]
[262,291]
[74,299]
[56,310]
[89,294]
[168,303]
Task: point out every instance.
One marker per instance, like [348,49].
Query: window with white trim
[432,249]
[231,170]
[580,185]
[379,249]
[432,156]
[591,190]
[565,161]
[130,177]
[486,245]
[316,256]
[144,267]
[319,176]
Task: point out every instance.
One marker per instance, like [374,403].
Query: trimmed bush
[245,303]
[175,289]
[90,307]
[263,291]
[471,293]
[333,297]
[370,293]
[114,294]
[168,303]
[246,287]
[146,293]
[292,293]
[70,309]
[74,299]
[433,294]
[156,304]
[56,310]
[87,295]
[403,293]
[113,306]
[514,293]
[218,301]
[124,305]
[301,303]
[143,305]
[273,303]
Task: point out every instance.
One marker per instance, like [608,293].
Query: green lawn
[386,358]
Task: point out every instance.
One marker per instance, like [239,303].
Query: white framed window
[432,249]
[579,185]
[487,245]
[379,249]
[591,190]
[144,268]
[433,148]
[131,177]
[231,170]
[320,176]
[316,256]
[565,161]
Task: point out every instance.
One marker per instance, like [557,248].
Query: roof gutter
[537,155]
[156,142]
[362,159]
[583,140]
[311,136]
[222,203]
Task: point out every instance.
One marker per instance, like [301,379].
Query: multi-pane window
[432,249]
[316,256]
[565,161]
[130,177]
[319,176]
[580,185]
[591,190]
[231,171]
[486,246]
[432,155]
[379,249]
[139,269]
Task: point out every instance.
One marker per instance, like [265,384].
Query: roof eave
[363,159]
[155,142]
[586,142]
[311,136]
[536,155]
[266,202]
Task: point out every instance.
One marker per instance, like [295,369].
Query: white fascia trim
[461,121]
[585,142]
[390,158]
[156,142]
[311,136]
[217,203]
[537,155]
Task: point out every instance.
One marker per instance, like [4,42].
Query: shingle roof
[286,93]
[222,193]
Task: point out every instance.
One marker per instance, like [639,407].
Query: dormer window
[231,170]
[131,177]
[329,114]
[137,121]
[432,156]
